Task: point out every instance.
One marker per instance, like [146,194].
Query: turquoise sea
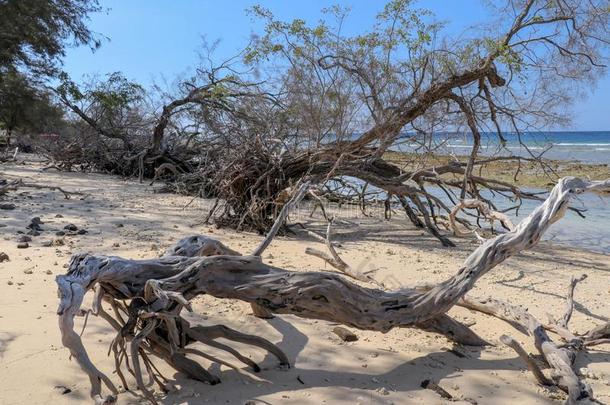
[592,232]
[584,146]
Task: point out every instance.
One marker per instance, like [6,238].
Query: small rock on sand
[7,206]
[4,257]
[345,334]
[23,245]
[35,224]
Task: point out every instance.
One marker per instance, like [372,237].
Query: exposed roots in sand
[147,297]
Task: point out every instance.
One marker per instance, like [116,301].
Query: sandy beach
[128,219]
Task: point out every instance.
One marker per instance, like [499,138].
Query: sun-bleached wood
[163,286]
[485,211]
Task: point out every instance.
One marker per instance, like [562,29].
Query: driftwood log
[147,296]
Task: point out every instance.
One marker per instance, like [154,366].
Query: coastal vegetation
[308,113]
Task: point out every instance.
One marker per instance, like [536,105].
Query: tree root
[147,297]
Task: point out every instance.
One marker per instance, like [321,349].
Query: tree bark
[161,287]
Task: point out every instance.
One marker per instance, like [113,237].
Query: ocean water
[583,146]
[591,232]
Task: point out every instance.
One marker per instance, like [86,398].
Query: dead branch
[336,261]
[152,292]
[14,185]
[484,210]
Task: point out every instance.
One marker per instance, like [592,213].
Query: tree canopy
[25,107]
[34,33]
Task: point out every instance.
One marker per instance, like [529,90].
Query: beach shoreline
[522,174]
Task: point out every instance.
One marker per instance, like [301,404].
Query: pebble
[345,334]
[35,224]
[7,206]
[4,257]
[23,245]
[71,227]
[24,238]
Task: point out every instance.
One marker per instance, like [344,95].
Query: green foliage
[34,33]
[399,28]
[113,93]
[26,108]
[117,92]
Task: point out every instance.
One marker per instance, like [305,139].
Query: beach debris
[585,372]
[345,334]
[171,282]
[62,389]
[431,385]
[454,352]
[4,257]
[24,238]
[71,227]
[35,224]
[54,242]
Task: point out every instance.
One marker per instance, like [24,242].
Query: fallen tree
[147,296]
[364,116]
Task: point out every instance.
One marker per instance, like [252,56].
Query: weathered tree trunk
[160,288]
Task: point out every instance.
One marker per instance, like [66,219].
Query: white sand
[377,369]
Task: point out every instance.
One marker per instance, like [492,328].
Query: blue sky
[153,39]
